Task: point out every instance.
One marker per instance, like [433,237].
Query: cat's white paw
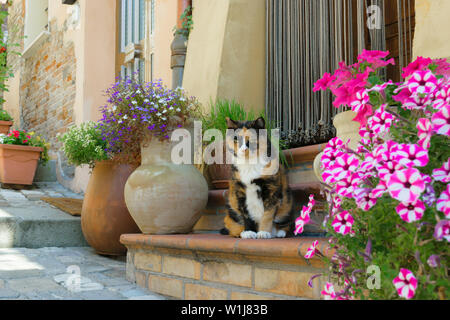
[263,235]
[248,235]
[281,234]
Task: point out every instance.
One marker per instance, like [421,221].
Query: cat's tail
[224,231]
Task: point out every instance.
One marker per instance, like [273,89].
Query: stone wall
[47,80]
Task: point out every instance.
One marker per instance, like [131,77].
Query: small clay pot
[104,216]
[5,126]
[18,164]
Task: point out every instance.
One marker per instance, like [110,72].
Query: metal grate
[306,38]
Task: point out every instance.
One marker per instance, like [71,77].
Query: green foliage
[4,115]
[6,48]
[223,109]
[84,145]
[187,24]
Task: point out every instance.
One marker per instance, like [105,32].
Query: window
[36,21]
[132,37]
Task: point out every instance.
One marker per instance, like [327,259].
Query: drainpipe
[179,48]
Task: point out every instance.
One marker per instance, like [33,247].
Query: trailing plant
[388,200]
[6,48]
[4,116]
[139,111]
[84,145]
[22,138]
[187,24]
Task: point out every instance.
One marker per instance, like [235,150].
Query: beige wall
[165,19]
[431,37]
[226,52]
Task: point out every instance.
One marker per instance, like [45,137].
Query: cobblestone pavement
[73,273]
[65,274]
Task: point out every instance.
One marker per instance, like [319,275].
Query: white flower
[178,110]
[114,108]
[134,102]
[125,117]
[159,114]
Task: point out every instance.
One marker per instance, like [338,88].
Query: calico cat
[259,200]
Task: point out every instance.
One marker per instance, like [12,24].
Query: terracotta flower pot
[104,216]
[163,197]
[4,126]
[220,175]
[18,164]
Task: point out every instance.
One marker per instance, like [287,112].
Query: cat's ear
[259,123]
[231,124]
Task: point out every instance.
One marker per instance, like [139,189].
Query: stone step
[35,224]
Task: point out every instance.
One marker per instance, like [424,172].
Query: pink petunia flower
[361,100]
[381,121]
[343,223]
[324,83]
[387,169]
[406,185]
[364,198]
[328,293]
[380,189]
[425,132]
[442,98]
[386,151]
[443,203]
[328,158]
[411,212]
[344,165]
[416,102]
[417,65]
[333,145]
[441,121]
[304,217]
[443,173]
[412,155]
[312,250]
[346,185]
[422,82]
[442,230]
[406,284]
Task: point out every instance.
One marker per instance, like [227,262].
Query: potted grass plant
[5,122]
[220,110]
[104,215]
[19,155]
[220,174]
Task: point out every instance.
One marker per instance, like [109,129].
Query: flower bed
[389,200]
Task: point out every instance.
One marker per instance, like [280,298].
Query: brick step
[213,266]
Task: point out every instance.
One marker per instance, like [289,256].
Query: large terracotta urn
[164,197]
[346,129]
[104,216]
